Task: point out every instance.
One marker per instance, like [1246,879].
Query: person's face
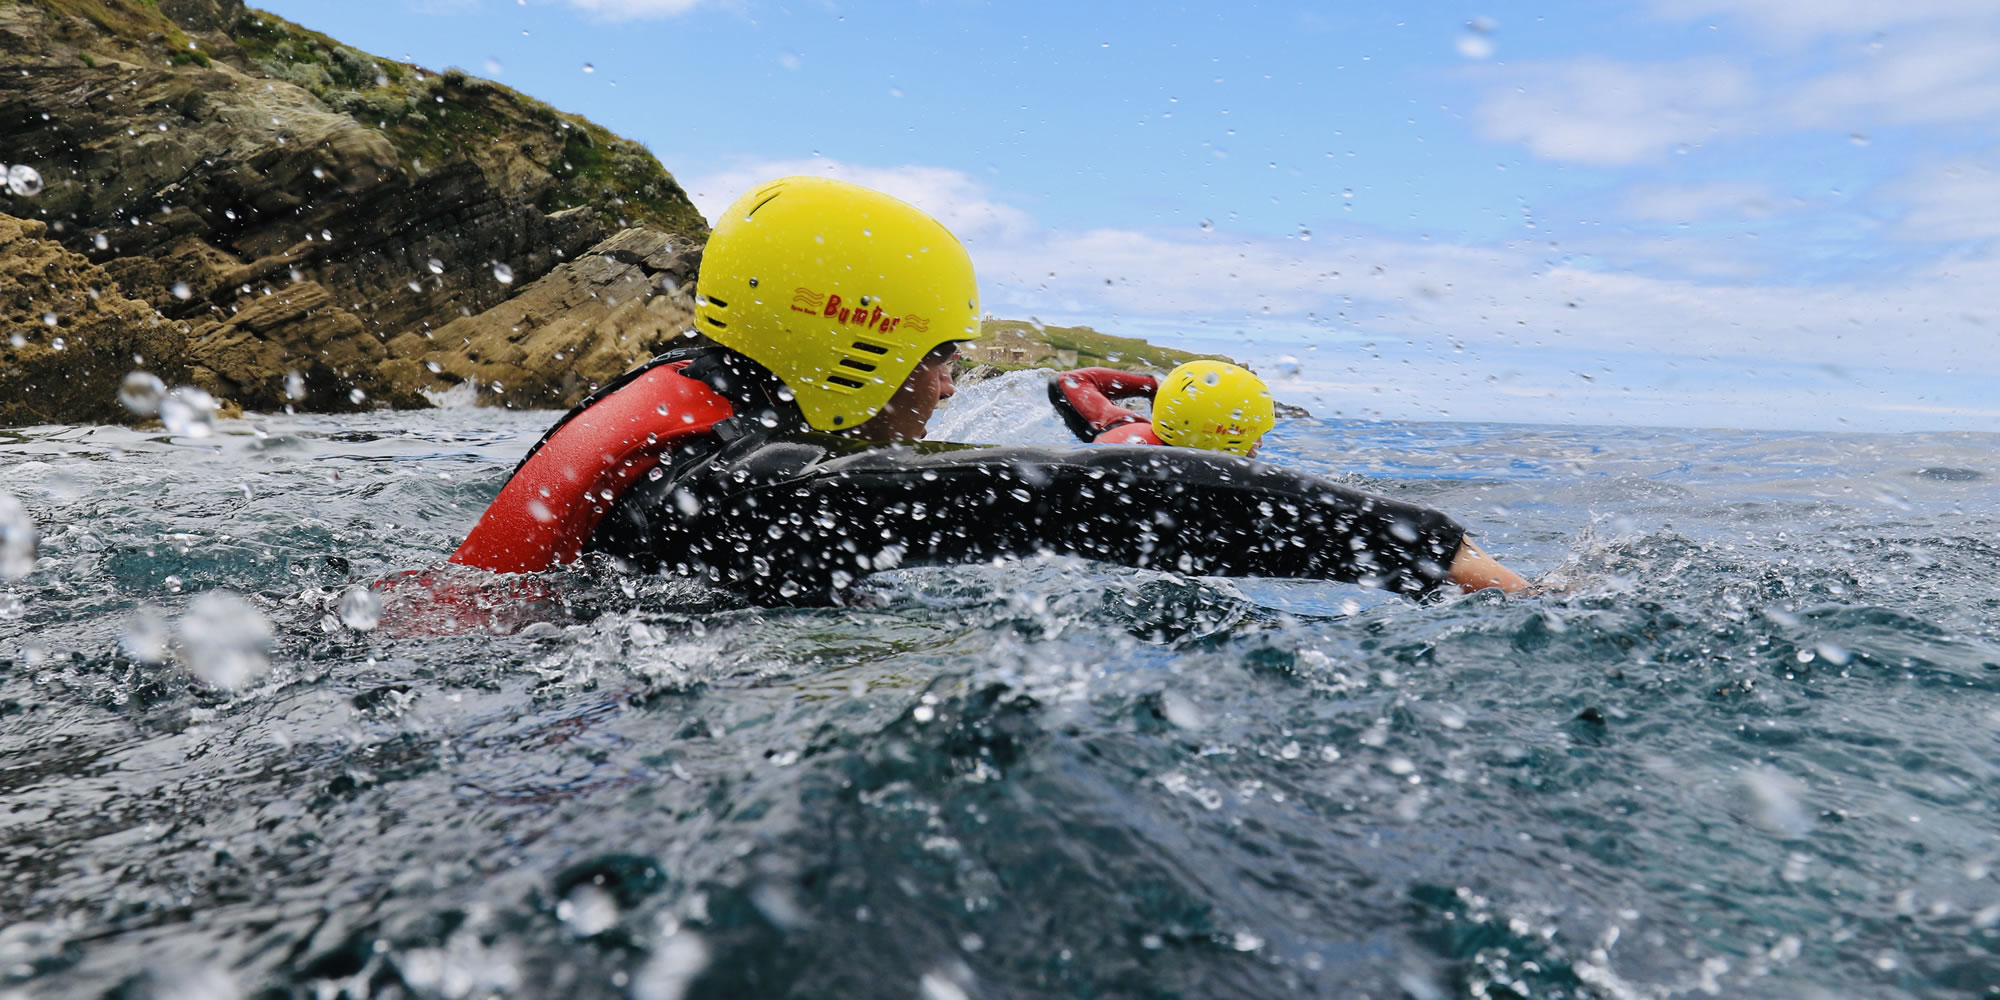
[908,413]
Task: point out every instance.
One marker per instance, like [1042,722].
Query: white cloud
[1606,113]
[1941,66]
[1935,78]
[954,197]
[632,10]
[1691,202]
[1958,200]
[1802,20]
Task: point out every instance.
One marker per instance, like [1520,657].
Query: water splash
[360,609]
[188,411]
[140,392]
[24,181]
[17,539]
[224,640]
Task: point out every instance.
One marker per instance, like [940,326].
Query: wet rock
[248,357]
[212,158]
[70,371]
[578,327]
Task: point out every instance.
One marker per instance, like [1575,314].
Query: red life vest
[1139,431]
[547,512]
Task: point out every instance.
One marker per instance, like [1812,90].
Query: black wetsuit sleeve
[794,521]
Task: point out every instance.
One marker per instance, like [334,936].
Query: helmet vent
[761,204]
[843,380]
[718,324]
[870,348]
[718,303]
[860,366]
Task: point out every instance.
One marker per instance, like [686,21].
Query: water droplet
[436,266]
[100,242]
[50,319]
[938,984]
[588,68]
[672,969]
[295,385]
[181,291]
[17,539]
[356,395]
[1834,654]
[1182,712]
[224,640]
[188,411]
[58,344]
[140,392]
[1777,798]
[146,637]
[1207,226]
[588,910]
[1858,138]
[24,180]
[1305,235]
[502,273]
[360,609]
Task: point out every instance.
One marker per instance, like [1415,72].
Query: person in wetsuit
[1212,405]
[782,457]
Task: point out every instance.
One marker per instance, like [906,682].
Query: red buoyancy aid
[547,512]
[1139,431]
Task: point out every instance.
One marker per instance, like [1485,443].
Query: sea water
[1742,740]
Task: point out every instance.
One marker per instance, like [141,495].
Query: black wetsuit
[787,515]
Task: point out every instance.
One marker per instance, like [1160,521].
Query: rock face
[292,204]
[73,336]
[581,325]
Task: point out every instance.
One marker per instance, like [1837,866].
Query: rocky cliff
[280,203]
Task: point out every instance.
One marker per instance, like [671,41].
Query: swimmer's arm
[1083,397]
[1472,569]
[1114,384]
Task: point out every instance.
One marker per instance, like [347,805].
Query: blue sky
[1748,213]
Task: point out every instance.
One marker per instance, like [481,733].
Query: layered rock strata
[70,335]
[292,204]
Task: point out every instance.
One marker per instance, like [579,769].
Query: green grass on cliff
[131,26]
[1093,348]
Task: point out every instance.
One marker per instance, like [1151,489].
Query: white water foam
[1007,409]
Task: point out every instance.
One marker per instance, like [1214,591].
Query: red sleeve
[1090,391]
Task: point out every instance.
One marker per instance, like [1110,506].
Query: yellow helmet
[1213,405]
[836,289]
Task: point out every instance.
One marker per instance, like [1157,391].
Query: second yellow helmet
[837,289]
[1213,405]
